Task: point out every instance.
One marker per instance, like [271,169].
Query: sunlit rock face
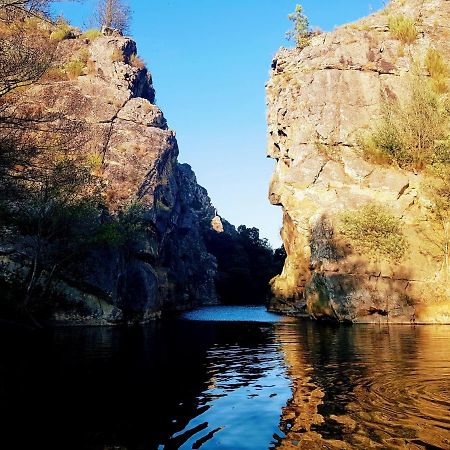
[135,154]
[320,99]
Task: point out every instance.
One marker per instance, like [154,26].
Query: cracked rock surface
[320,99]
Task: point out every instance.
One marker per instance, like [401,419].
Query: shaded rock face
[191,270]
[319,100]
[169,269]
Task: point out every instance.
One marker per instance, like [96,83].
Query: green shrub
[412,130]
[94,161]
[91,34]
[402,28]
[374,231]
[74,69]
[62,31]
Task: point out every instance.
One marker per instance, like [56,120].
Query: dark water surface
[233,378]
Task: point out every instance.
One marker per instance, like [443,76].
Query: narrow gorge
[134,315]
[154,232]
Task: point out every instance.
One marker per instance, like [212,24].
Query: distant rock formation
[319,99]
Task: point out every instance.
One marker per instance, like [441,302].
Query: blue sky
[210,60]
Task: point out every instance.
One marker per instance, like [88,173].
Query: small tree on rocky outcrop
[300,33]
[113,14]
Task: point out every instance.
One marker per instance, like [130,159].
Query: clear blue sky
[210,60]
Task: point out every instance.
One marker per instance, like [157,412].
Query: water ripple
[372,388]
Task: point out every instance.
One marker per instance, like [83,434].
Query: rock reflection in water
[224,385]
[366,387]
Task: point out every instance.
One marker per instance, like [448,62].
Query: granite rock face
[122,129]
[320,99]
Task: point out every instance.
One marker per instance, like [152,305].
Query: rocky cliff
[321,99]
[99,84]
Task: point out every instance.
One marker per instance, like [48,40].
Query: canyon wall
[321,99]
[134,153]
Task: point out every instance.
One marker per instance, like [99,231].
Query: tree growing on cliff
[300,32]
[113,14]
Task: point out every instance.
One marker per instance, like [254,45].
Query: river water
[225,378]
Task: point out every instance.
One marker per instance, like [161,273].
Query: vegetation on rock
[438,70]
[62,31]
[91,34]
[438,187]
[402,28]
[375,232]
[413,130]
[300,32]
[74,68]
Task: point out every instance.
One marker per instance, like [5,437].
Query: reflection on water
[367,387]
[226,385]
[240,407]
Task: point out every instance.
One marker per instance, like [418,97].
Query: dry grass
[137,62]
[83,55]
[91,67]
[91,34]
[402,28]
[95,163]
[401,51]
[74,69]
[438,69]
[62,31]
[411,130]
[117,55]
[55,74]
